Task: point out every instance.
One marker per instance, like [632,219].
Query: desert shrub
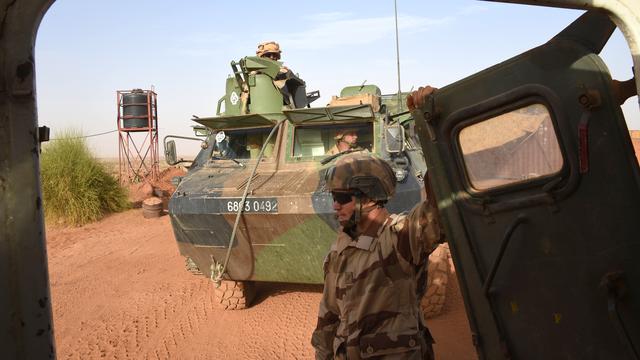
[76,187]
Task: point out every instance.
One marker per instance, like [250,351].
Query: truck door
[539,192]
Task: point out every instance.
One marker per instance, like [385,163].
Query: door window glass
[510,148]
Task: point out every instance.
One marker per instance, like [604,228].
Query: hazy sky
[88,49]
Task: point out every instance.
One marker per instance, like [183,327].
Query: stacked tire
[438,277]
[234,295]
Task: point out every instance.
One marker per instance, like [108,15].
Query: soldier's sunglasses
[342,197]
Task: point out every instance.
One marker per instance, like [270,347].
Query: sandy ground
[120,290]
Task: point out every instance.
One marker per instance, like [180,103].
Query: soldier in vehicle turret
[271,50]
[285,80]
[375,272]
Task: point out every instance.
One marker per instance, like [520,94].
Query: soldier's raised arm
[420,231]
[416,99]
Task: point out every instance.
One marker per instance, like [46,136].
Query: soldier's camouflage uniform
[334,150]
[373,286]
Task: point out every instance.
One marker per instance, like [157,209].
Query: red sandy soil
[120,290]
[161,188]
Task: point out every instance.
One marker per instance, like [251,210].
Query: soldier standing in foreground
[375,272]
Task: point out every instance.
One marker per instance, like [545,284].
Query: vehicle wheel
[234,295]
[191,266]
[438,277]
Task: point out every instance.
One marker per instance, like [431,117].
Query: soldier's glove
[416,99]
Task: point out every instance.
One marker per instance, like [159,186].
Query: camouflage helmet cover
[269,47]
[340,133]
[365,173]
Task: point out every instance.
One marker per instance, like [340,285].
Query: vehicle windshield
[242,143]
[321,140]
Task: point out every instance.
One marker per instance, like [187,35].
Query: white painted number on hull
[258,206]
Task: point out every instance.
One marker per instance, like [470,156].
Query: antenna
[395,7]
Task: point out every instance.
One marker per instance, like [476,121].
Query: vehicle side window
[320,140]
[514,147]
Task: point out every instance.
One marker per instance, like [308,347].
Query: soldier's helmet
[341,132]
[269,49]
[363,173]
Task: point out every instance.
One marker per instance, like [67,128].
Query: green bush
[76,187]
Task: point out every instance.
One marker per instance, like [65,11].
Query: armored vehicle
[253,207]
[539,191]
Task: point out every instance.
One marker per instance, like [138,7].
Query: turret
[263,86]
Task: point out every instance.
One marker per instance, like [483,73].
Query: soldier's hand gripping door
[538,189]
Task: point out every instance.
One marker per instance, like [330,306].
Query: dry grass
[77,188]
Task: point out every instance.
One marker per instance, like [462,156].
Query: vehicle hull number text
[264,205]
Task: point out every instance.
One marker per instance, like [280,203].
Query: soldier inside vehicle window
[254,145]
[345,139]
[255,142]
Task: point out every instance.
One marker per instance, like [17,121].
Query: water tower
[138,135]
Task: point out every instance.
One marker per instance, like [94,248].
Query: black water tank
[134,110]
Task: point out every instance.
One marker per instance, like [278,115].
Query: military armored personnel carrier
[253,207]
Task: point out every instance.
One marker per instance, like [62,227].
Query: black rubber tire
[434,299]
[234,295]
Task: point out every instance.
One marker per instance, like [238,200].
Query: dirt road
[120,291]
